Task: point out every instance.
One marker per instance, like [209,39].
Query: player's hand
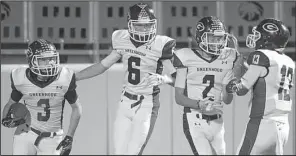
[11,122]
[8,122]
[233,86]
[157,79]
[66,145]
[205,104]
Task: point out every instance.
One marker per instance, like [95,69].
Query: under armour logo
[59,87]
[224,62]
[148,47]
[197,124]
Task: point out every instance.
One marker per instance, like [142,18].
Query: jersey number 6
[40,116]
[133,73]
[207,78]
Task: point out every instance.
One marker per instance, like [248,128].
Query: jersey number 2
[40,116]
[284,93]
[133,73]
[207,78]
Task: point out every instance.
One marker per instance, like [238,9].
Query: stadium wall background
[99,97]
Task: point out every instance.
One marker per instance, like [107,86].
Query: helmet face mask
[45,65]
[211,35]
[142,23]
[253,38]
[43,58]
[213,42]
[142,30]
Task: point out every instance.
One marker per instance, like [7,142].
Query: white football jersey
[271,93]
[205,78]
[139,61]
[44,101]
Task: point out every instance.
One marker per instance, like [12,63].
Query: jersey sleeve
[118,37]
[71,95]
[177,59]
[258,58]
[15,94]
[167,50]
[229,76]
[252,75]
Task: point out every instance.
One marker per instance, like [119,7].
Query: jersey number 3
[133,73]
[284,93]
[41,116]
[207,78]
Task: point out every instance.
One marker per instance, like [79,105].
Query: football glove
[10,122]
[157,79]
[66,145]
[233,85]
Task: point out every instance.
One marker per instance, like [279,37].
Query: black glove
[66,145]
[231,85]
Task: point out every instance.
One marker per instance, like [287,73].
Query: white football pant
[205,137]
[23,144]
[134,124]
[264,137]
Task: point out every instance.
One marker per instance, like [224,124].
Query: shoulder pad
[168,49]
[178,58]
[258,58]
[118,37]
[66,73]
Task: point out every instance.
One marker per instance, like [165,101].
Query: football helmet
[43,58]
[142,23]
[210,35]
[269,34]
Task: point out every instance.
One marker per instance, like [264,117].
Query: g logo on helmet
[200,26]
[270,27]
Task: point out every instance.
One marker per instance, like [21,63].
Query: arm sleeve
[15,94]
[167,51]
[71,95]
[252,74]
[112,58]
[181,78]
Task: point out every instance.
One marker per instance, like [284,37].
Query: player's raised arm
[100,67]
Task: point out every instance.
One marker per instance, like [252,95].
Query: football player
[200,86]
[269,76]
[43,86]
[143,54]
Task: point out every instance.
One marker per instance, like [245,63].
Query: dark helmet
[142,23]
[211,35]
[43,58]
[269,34]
